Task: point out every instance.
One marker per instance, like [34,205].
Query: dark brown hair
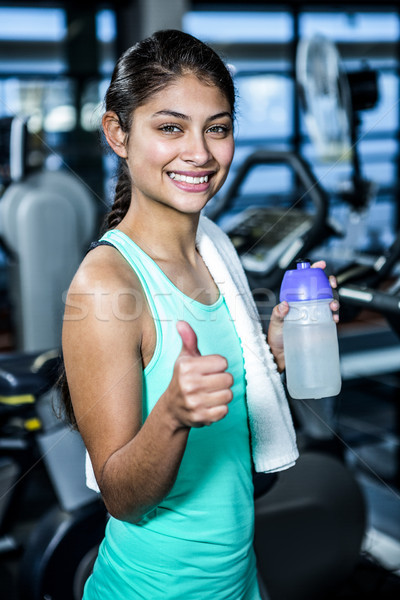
[142,71]
[147,68]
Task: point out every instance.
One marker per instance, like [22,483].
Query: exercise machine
[47,220]
[271,236]
[63,541]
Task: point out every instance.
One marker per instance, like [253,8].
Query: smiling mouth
[188,178]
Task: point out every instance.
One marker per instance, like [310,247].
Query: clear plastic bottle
[309,334]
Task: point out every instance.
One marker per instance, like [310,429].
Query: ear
[114,134]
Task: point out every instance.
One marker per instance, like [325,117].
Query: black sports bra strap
[94,245]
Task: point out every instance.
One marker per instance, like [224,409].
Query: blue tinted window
[264,106]
[46,24]
[385,115]
[267,95]
[239,26]
[13,67]
[106,26]
[351,27]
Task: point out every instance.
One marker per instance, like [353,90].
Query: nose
[196,150]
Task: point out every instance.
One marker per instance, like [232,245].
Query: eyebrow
[178,115]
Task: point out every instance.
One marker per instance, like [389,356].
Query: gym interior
[316,174]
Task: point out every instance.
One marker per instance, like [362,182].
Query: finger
[212,400]
[215,382]
[220,397]
[202,365]
[210,416]
[332,281]
[218,413]
[189,339]
[319,264]
[206,400]
[208,407]
[334,306]
[280,311]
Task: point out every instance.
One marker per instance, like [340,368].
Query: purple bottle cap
[304,283]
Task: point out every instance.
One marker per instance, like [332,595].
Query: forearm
[136,476]
[139,475]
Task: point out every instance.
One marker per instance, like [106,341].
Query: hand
[275,329]
[200,389]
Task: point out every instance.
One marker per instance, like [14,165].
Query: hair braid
[122,198]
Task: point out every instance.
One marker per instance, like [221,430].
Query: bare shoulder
[105,282]
[104,267]
[104,311]
[102,340]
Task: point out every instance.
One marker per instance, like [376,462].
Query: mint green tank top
[198,543]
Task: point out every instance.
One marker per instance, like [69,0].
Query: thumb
[189,339]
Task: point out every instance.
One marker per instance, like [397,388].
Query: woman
[159,381]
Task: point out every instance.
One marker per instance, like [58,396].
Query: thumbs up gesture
[200,388]
[189,339]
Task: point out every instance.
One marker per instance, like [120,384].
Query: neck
[170,235]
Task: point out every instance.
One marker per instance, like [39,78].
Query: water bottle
[309,334]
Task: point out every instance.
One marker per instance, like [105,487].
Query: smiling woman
[181,134]
[158,389]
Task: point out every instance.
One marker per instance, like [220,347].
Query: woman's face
[181,145]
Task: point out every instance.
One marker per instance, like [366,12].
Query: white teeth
[188,178]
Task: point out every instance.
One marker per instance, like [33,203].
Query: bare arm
[135,465]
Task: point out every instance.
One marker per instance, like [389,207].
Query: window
[35,83]
[260,46]
[238,27]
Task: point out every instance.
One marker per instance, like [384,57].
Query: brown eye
[170,129]
[219,129]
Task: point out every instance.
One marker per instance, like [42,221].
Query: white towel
[273,438]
